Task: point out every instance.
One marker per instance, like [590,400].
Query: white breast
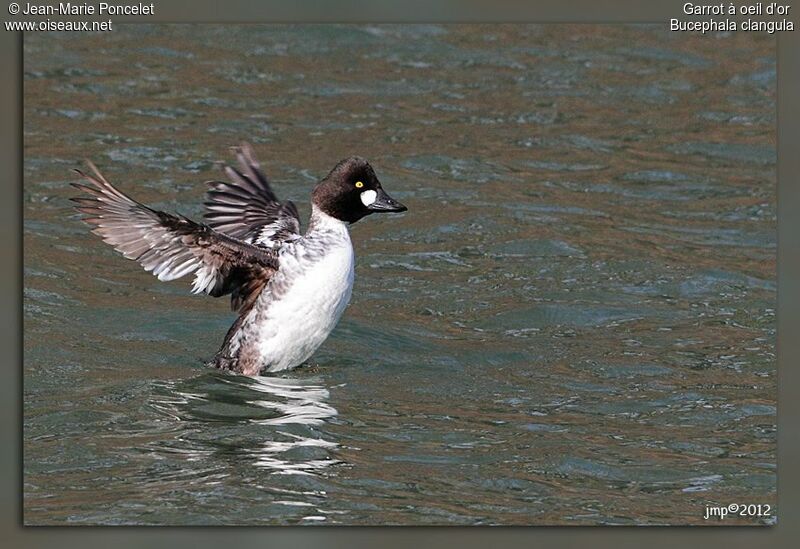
[306,310]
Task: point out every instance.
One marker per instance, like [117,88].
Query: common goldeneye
[288,289]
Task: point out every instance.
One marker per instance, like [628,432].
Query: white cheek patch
[368,197]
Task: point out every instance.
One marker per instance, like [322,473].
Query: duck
[288,289]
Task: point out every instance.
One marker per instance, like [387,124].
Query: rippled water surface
[573,324]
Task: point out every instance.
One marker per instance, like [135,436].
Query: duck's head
[352,191]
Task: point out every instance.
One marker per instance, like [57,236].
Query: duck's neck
[324,223]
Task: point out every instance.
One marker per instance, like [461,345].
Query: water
[573,324]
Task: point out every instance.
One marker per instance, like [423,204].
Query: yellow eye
[359,184]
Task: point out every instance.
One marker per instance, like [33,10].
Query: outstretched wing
[172,246]
[246,208]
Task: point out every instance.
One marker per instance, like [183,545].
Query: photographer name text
[102,8]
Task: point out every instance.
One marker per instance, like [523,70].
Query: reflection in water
[304,403]
[268,457]
[279,416]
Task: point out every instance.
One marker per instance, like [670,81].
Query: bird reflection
[296,401]
[273,421]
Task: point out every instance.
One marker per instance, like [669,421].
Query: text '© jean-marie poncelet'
[102,8]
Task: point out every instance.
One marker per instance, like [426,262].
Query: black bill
[385,203]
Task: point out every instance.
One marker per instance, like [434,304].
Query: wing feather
[247,208]
[172,246]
